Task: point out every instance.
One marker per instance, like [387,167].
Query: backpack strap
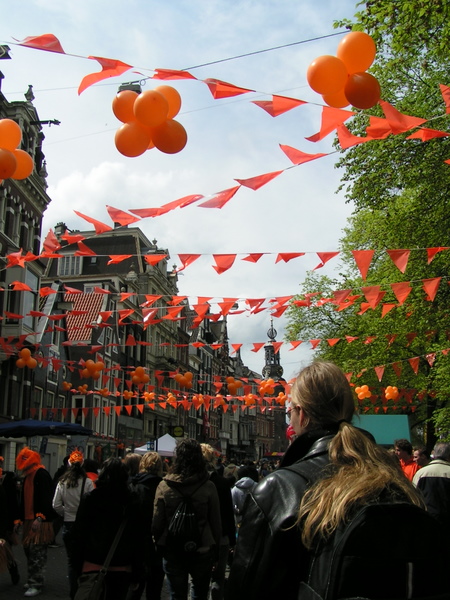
[306,469]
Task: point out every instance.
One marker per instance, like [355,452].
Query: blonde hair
[360,472]
[152,463]
[209,454]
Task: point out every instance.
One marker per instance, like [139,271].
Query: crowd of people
[250,516]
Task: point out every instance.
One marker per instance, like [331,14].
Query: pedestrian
[145,484]
[188,477]
[71,487]
[248,477]
[274,545]
[433,481]
[9,512]
[92,469]
[230,473]
[421,456]
[228,533]
[132,461]
[99,517]
[37,514]
[404,451]
[58,520]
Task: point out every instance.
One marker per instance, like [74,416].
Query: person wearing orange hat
[36,515]
[72,486]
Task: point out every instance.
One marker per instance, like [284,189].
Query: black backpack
[387,551]
[184,532]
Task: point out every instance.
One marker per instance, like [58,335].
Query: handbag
[91,586]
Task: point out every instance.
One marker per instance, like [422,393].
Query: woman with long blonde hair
[287,513]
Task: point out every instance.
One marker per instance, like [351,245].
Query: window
[69,265]
[30,298]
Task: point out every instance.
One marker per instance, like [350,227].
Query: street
[56,582]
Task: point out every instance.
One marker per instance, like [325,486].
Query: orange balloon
[10,134]
[131,139]
[151,108]
[122,105]
[99,365]
[357,51]
[173,99]
[25,164]
[90,366]
[31,363]
[25,353]
[232,388]
[8,163]
[20,363]
[326,74]
[336,100]
[171,137]
[362,90]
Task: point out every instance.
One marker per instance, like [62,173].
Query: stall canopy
[166,446]
[31,427]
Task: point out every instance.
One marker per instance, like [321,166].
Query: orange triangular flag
[47,42]
[399,258]
[98,225]
[154,259]
[425,134]
[114,259]
[223,262]
[51,242]
[414,362]
[379,371]
[398,121]
[84,250]
[287,256]
[257,182]
[431,252]
[378,128]
[257,346]
[431,286]
[445,91]
[324,257]
[333,341]
[397,366]
[401,290]
[314,343]
[18,286]
[347,139]
[46,291]
[331,119]
[363,258]
[253,257]
[386,308]
[220,199]
[235,347]
[297,157]
[110,68]
[278,105]
[222,89]
[172,74]
[372,294]
[186,260]
[120,216]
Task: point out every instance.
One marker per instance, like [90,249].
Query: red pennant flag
[287,256]
[72,290]
[150,299]
[99,290]
[120,216]
[425,134]
[278,105]
[331,119]
[347,139]
[363,258]
[414,362]
[391,338]
[220,199]
[110,68]
[223,262]
[131,340]
[226,306]
[277,346]
[176,300]
[114,259]
[51,242]
[341,295]
[186,260]
[386,308]
[399,258]
[431,357]
[18,286]
[257,346]
[162,210]
[173,312]
[397,366]
[379,371]
[398,121]
[118,410]
[98,225]
[84,250]
[445,91]
[47,42]
[378,128]
[297,157]
[235,347]
[253,258]
[325,257]
[431,287]
[257,182]
[401,290]
[314,343]
[222,89]
[431,252]
[410,337]
[167,74]
[333,341]
[154,259]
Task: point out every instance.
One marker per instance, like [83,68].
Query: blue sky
[298,211]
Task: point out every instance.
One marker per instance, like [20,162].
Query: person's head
[75,469]
[91,466]
[114,474]
[27,459]
[151,463]
[321,397]
[442,451]
[248,471]
[421,456]
[189,459]
[230,472]
[403,449]
[209,454]
[75,458]
[132,462]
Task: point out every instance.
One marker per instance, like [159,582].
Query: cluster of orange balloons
[149,396]
[104,392]
[14,163]
[66,385]
[363,392]
[342,79]
[184,380]
[250,399]
[233,385]
[128,394]
[391,392]
[267,387]
[148,121]
[139,376]
[92,369]
[83,389]
[25,359]
[281,399]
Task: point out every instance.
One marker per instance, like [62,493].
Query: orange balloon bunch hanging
[83,389]
[267,387]
[104,392]
[233,385]
[128,394]
[149,396]
[14,163]
[139,376]
[148,121]
[66,385]
[92,369]
[184,380]
[342,79]
[391,392]
[25,359]
[363,392]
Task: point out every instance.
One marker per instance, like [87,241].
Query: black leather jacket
[269,559]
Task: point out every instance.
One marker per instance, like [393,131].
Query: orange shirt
[409,468]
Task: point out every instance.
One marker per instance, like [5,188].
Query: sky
[250,43]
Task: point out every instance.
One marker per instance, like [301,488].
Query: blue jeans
[179,566]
